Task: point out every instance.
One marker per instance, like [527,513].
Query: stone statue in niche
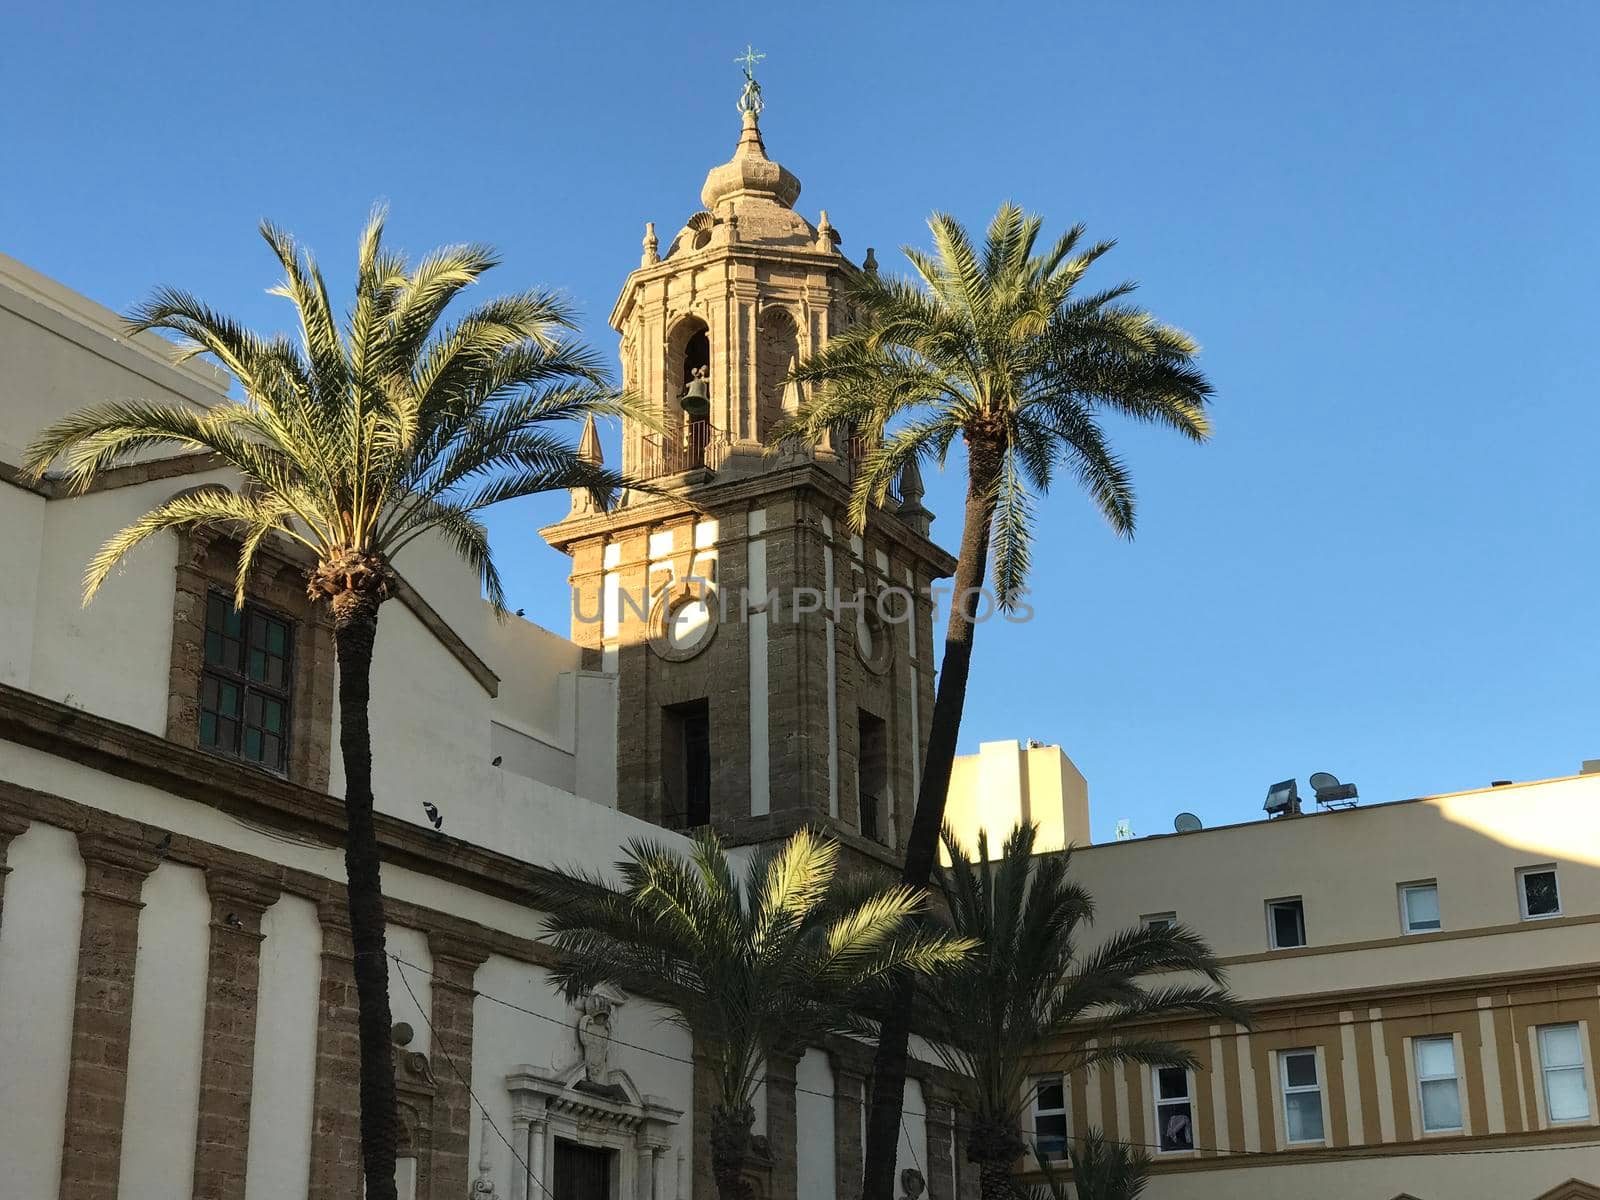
[912,1183]
[594,1035]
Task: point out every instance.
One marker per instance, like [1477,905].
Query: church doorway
[582,1172]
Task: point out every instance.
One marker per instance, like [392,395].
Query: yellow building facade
[1425,977]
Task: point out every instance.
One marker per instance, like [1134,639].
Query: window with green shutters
[244,689]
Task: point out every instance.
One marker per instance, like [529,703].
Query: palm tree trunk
[730,1148]
[995,1146]
[354,631]
[922,843]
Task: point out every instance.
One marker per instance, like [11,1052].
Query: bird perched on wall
[164,846]
[432,812]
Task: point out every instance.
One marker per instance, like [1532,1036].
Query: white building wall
[813,1112]
[38,979]
[169,997]
[21,544]
[279,1163]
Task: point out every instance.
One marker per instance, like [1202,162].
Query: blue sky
[1378,219]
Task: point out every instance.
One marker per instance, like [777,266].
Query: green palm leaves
[1033,998]
[770,957]
[999,347]
[367,431]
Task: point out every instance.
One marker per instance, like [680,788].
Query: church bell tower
[775,669]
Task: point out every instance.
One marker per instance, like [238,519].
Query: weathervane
[750,99]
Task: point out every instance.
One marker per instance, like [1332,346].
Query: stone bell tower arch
[748,699]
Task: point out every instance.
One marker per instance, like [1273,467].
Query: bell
[696,400]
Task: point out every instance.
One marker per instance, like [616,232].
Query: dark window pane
[258,631]
[227,733]
[258,664]
[275,670]
[1176,1130]
[229,702]
[213,647]
[272,750]
[252,708]
[208,692]
[208,728]
[277,637]
[1050,1094]
[1300,1070]
[252,744]
[1540,889]
[272,716]
[1172,1083]
[230,653]
[216,611]
[232,621]
[1287,925]
[1050,1131]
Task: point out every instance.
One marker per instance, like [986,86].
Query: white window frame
[1285,1091]
[1272,925]
[1582,1069]
[1159,920]
[1159,1103]
[1454,1077]
[1418,885]
[1040,1111]
[1522,890]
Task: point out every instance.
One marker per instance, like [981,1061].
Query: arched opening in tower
[694,400]
[777,346]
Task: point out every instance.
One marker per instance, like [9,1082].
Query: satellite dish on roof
[1187,822]
[1331,793]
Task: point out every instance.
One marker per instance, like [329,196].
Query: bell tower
[774,669]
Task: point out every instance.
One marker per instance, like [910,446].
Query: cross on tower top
[750,99]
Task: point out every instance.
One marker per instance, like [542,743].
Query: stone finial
[588,452]
[910,509]
[652,245]
[870,263]
[827,235]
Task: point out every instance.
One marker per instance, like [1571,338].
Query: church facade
[177,1011]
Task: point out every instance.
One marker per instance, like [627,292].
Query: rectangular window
[1174,1110]
[1419,907]
[1302,1096]
[1050,1116]
[244,686]
[872,771]
[686,764]
[1164,920]
[1439,1091]
[1538,892]
[1286,923]
[1566,1094]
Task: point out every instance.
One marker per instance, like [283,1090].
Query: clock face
[688,624]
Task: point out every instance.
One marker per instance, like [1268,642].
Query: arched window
[777,348]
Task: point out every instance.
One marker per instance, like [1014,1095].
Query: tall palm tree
[353,442]
[752,965]
[1032,997]
[1000,349]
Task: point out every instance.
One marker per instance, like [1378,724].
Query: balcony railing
[698,446]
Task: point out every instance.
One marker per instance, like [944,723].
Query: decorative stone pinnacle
[652,245]
[870,263]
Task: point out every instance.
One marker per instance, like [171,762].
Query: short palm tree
[1001,349]
[1031,997]
[1101,1170]
[353,442]
[752,964]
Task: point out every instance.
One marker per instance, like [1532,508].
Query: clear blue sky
[1379,220]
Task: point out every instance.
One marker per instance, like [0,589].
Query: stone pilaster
[941,1127]
[336,1106]
[782,1128]
[849,1094]
[702,1181]
[455,962]
[10,826]
[967,1183]
[97,1080]
[227,1063]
